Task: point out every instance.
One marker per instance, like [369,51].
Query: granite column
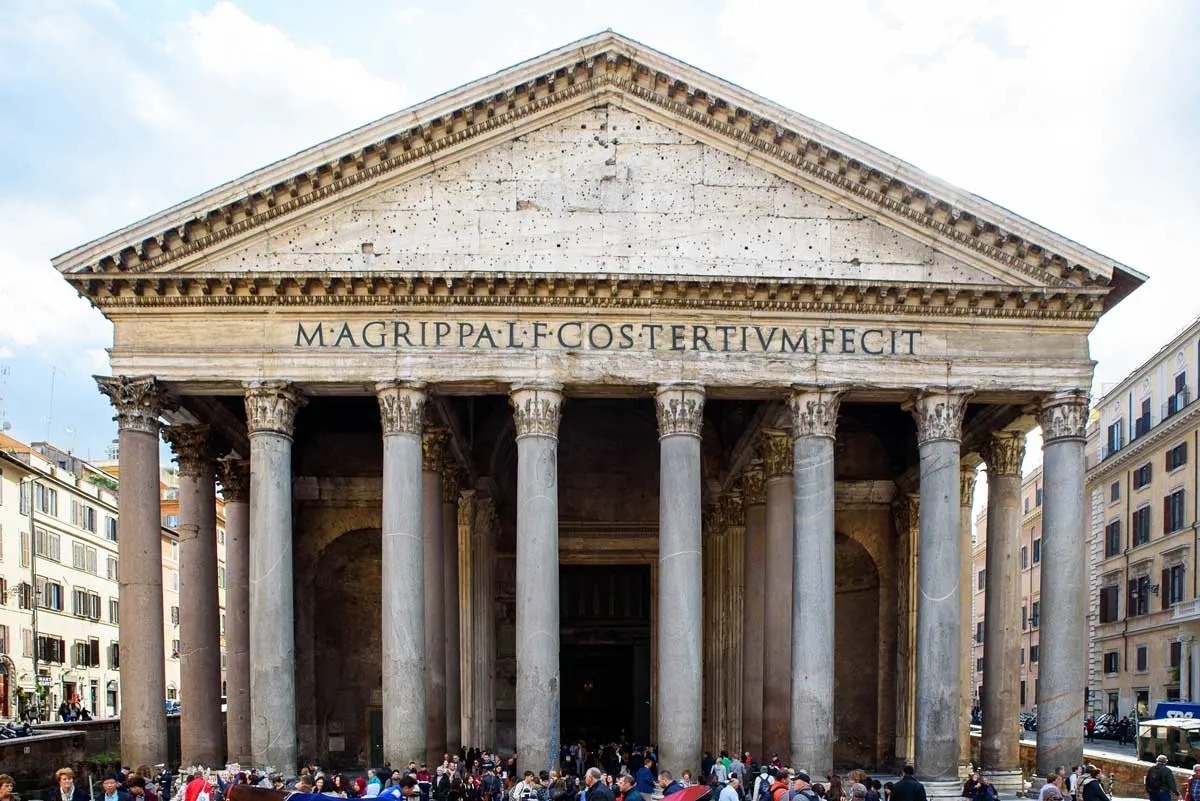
[966,666]
[1062,668]
[680,590]
[271,408]
[434,449]
[777,577]
[754,500]
[537,410]
[814,422]
[235,490]
[200,726]
[1000,741]
[939,416]
[139,402]
[450,595]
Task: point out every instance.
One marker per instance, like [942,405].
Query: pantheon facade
[599,398]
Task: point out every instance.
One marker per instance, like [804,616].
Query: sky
[1081,116]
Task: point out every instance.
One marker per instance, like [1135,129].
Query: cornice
[600,69]
[1138,449]
[313,290]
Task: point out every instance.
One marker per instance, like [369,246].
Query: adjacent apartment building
[1142,481]
[59,605]
[1031,576]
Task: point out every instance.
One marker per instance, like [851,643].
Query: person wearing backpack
[778,791]
[1160,781]
[802,787]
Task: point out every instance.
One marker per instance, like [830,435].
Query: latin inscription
[601,336]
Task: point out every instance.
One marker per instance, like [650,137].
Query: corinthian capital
[776,449]
[814,411]
[401,406]
[139,401]
[451,486]
[939,415]
[235,479]
[272,406]
[680,409]
[733,511]
[537,409]
[754,485]
[189,443]
[1004,453]
[433,449]
[966,485]
[1063,417]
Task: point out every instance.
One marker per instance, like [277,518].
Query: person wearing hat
[802,787]
[1160,781]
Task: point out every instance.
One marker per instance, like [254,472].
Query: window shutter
[1104,605]
[1167,528]
[94,653]
[1164,589]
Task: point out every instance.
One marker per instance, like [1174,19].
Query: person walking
[730,791]
[1093,788]
[908,788]
[1192,791]
[596,790]
[1160,781]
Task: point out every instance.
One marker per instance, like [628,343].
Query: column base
[965,769]
[1008,783]
[943,789]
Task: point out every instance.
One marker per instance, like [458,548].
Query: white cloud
[409,15]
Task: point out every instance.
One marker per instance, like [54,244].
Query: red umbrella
[697,792]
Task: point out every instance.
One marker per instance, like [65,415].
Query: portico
[636,318]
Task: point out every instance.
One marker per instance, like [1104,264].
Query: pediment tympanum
[603,158]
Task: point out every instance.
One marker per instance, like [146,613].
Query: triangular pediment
[601,157]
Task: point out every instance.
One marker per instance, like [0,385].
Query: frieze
[814,412]
[271,406]
[139,401]
[680,409]
[401,406]
[189,443]
[1064,417]
[537,409]
[1004,452]
[235,479]
[615,70]
[939,415]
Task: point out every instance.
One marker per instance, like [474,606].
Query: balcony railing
[1184,611]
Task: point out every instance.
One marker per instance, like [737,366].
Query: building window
[174,615]
[1141,476]
[1177,456]
[45,499]
[114,656]
[1022,656]
[49,594]
[1114,492]
[171,692]
[1139,596]
[83,516]
[174,649]
[90,561]
[51,649]
[1172,586]
[981,579]
[1141,526]
[1037,496]
[24,595]
[1180,398]
[110,528]
[25,557]
[1024,618]
[1023,699]
[3,591]
[1175,653]
[221,577]
[1024,557]
[1037,550]
[220,536]
[3,639]
[1173,511]
[1109,604]
[1142,663]
[111,569]
[114,611]
[1142,425]
[27,643]
[1116,438]
[1035,616]
[1027,504]
[1112,539]
[979,664]
[1033,654]
[1112,663]
[979,631]
[48,544]
[171,521]
[77,558]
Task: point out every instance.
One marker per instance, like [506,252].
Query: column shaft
[270,415]
[235,484]
[966,665]
[435,611]
[777,617]
[814,421]
[1000,741]
[401,407]
[755,500]
[451,596]
[939,425]
[538,410]
[483,571]
[199,618]
[138,402]
[1062,668]
[1185,672]
[680,590]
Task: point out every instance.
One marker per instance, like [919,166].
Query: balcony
[1176,402]
[1186,611]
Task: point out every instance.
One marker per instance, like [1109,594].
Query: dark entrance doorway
[605,652]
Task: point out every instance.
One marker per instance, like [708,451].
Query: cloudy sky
[1082,116]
